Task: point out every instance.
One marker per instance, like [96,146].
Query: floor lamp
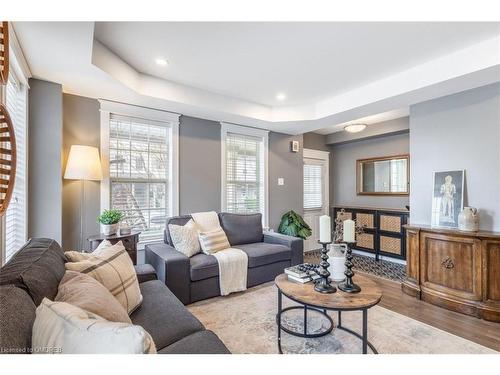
[83,164]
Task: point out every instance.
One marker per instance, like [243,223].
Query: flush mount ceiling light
[355,128]
[280,96]
[161,62]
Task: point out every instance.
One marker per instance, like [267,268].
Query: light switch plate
[281,181]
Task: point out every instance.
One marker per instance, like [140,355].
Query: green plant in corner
[292,224]
[109,217]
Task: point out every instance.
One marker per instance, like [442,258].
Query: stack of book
[302,273]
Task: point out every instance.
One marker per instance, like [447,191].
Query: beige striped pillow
[213,241]
[113,268]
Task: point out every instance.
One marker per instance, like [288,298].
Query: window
[141,178]
[15,218]
[313,186]
[244,170]
[398,175]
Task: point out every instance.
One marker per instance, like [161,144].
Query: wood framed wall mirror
[388,175]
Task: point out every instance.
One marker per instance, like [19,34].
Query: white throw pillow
[63,328]
[185,238]
[213,241]
[112,267]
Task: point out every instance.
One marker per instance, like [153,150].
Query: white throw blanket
[233,263]
[206,221]
[233,269]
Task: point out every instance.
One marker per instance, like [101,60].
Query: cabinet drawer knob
[448,263]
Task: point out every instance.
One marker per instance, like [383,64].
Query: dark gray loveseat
[35,272]
[197,278]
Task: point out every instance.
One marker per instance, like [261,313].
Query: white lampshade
[83,164]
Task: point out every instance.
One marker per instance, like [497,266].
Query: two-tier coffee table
[309,299]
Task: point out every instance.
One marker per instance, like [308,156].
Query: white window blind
[245,168]
[15,221]
[139,170]
[313,186]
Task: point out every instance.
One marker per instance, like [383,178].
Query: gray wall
[316,141]
[200,165]
[199,172]
[81,126]
[460,131]
[44,160]
[343,171]
[288,165]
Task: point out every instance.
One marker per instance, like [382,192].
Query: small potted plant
[110,220]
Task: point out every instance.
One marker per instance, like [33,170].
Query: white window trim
[109,107]
[21,70]
[325,157]
[244,130]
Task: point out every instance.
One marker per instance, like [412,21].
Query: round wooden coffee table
[309,299]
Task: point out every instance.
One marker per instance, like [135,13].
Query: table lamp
[83,164]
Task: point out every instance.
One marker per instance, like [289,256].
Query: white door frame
[324,157]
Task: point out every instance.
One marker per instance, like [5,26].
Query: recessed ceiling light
[280,96]
[161,62]
[355,128]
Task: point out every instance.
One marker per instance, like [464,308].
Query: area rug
[381,268]
[246,323]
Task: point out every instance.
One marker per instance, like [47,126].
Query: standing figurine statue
[448,192]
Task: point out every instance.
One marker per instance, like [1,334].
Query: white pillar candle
[325,229]
[349,230]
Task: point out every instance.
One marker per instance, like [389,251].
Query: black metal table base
[304,334]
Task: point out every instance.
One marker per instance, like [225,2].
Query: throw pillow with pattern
[112,267]
[185,238]
[213,241]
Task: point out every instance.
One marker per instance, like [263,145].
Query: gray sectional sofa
[197,278]
[35,272]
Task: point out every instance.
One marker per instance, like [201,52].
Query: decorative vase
[109,229]
[125,231]
[468,219]
[337,261]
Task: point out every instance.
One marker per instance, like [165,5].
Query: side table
[129,241]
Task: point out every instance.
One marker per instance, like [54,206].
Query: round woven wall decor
[4,52]
[7,159]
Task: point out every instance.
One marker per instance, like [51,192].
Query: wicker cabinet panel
[366,220]
[391,245]
[344,215]
[366,240]
[384,232]
[390,223]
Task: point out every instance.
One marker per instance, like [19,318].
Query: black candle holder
[323,284]
[348,286]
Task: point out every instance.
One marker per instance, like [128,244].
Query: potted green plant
[110,220]
[292,224]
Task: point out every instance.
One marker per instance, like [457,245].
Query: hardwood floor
[473,329]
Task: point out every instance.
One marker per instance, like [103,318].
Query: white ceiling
[307,61]
[332,73]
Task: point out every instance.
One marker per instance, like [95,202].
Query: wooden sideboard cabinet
[456,270]
[384,232]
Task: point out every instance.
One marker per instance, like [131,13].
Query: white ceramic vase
[468,219]
[109,229]
[337,261]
